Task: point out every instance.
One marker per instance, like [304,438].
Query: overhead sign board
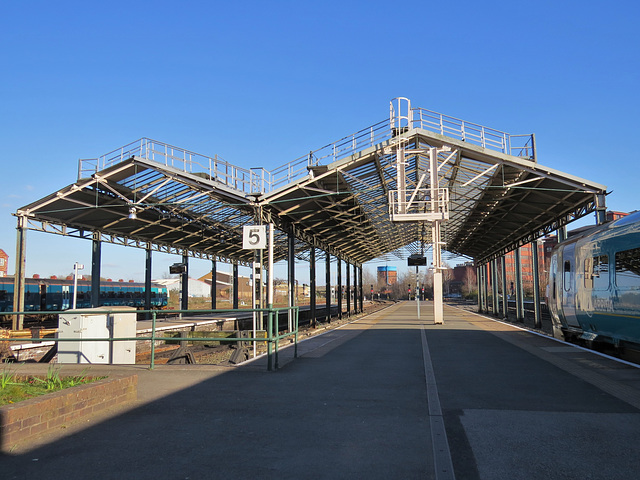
[178,268]
[254,237]
[416,260]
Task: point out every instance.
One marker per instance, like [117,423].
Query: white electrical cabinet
[97,323]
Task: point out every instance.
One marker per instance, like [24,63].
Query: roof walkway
[387,396]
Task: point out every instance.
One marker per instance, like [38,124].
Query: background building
[4,261]
[387,276]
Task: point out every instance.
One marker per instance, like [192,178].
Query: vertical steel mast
[414,202]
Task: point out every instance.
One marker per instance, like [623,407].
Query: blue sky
[261,83]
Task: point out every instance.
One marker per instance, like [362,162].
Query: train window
[566,278]
[600,272]
[628,268]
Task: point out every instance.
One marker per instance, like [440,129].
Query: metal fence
[273,335]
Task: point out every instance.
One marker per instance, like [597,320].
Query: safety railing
[273,338]
[332,152]
[417,205]
[248,181]
[518,145]
[258,180]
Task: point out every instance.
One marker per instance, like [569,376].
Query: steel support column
[505,298]
[519,299]
[96,260]
[479,282]
[327,282]
[147,280]
[236,294]
[601,209]
[494,286]
[361,291]
[18,279]
[184,301]
[348,289]
[536,285]
[485,288]
[562,234]
[339,288]
[438,311]
[355,289]
[214,285]
[291,275]
[312,286]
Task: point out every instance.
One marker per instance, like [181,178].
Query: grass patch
[14,388]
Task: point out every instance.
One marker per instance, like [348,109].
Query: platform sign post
[418,291]
[254,237]
[76,266]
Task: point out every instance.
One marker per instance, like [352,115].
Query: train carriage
[52,294]
[594,285]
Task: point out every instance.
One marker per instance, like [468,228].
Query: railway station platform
[387,396]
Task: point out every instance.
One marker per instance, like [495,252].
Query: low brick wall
[26,420]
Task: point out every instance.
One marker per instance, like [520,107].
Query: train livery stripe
[619,315]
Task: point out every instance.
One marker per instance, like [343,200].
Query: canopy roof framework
[152,195]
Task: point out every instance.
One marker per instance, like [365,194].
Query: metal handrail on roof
[252,181]
[516,145]
[246,180]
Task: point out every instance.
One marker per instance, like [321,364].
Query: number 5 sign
[254,237]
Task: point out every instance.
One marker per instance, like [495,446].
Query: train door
[66,304]
[568,295]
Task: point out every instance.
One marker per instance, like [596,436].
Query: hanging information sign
[254,237]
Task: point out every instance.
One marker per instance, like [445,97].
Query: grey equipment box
[101,322]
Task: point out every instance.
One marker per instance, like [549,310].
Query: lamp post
[76,266]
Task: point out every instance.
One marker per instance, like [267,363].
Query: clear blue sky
[261,83]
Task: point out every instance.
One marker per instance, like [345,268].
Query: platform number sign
[254,237]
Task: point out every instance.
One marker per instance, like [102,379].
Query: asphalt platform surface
[388,396]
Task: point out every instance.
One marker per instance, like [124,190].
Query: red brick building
[4,263]
[545,247]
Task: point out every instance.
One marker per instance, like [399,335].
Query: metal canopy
[152,195]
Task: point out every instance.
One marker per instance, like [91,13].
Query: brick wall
[24,421]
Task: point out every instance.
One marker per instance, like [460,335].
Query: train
[54,294]
[593,289]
